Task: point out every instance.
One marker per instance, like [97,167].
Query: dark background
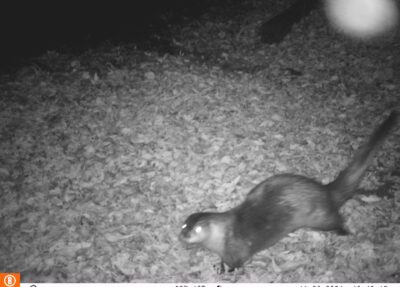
[32,27]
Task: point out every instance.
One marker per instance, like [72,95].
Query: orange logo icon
[9,280]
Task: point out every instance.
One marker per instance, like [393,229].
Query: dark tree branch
[275,29]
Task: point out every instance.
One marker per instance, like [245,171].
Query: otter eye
[184,226]
[198,229]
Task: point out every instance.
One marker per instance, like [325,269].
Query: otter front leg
[222,268]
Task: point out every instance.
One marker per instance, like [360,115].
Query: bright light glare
[362,18]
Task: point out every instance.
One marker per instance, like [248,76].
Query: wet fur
[282,204]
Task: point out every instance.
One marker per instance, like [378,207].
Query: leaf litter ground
[103,155]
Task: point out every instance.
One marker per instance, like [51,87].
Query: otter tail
[346,183]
